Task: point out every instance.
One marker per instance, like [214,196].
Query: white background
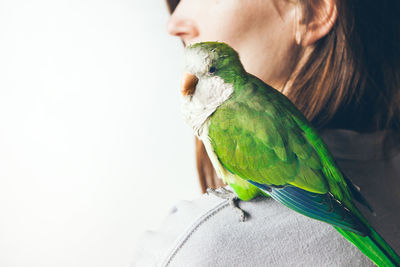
[93,149]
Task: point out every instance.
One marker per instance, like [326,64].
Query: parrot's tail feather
[374,247]
[322,207]
[357,194]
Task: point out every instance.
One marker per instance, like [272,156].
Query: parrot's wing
[260,142]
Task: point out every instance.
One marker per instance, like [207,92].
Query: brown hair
[351,79]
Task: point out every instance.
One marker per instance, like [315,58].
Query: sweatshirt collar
[352,145]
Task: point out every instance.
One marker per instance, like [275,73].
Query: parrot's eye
[212,70]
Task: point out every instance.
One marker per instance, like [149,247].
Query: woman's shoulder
[208,232]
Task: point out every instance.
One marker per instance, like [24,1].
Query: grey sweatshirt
[208,232]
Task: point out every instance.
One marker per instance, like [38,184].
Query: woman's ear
[322,17]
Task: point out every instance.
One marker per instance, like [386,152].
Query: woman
[338,61]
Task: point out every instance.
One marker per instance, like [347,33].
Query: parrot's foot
[232,199]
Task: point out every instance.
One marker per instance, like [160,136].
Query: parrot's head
[211,69]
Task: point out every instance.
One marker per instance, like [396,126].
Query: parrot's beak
[188,84]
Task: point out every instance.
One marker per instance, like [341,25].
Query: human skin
[263,32]
[268,34]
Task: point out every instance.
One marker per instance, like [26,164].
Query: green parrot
[260,143]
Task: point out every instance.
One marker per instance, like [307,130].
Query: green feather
[259,136]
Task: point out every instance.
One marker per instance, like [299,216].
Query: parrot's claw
[227,191]
[221,193]
[232,199]
[234,205]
